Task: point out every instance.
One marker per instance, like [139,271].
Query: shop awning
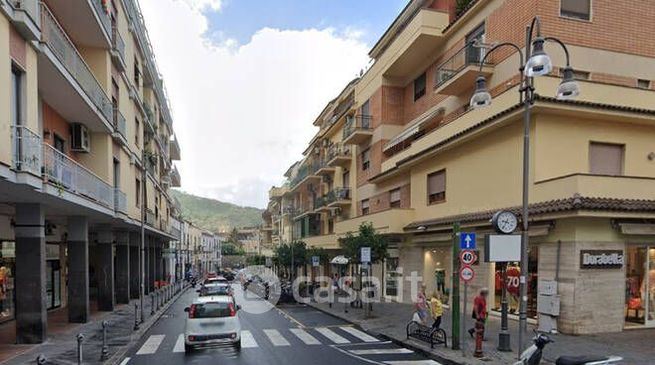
[339,260]
[415,127]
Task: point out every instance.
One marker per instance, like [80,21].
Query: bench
[427,334]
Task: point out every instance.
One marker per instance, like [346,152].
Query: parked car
[215,280]
[215,289]
[212,321]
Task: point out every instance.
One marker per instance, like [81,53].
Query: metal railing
[337,150]
[358,122]
[150,217]
[337,194]
[305,171]
[69,175]
[54,36]
[26,149]
[148,109]
[31,8]
[120,123]
[469,55]
[117,43]
[101,11]
[120,201]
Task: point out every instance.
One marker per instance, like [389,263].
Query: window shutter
[437,182]
[606,159]
[394,195]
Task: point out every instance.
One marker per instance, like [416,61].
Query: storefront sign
[601,259]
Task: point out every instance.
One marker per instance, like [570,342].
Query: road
[278,336]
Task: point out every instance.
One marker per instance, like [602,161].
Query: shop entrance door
[640,286]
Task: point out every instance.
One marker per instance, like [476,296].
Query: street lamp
[538,64]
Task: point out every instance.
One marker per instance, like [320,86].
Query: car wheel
[188,349]
[237,346]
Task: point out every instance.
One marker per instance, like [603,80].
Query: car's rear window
[211,310]
[217,290]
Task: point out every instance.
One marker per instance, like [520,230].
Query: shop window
[365,207]
[639,282]
[7,269]
[392,277]
[512,282]
[394,198]
[437,187]
[366,159]
[577,9]
[419,87]
[606,158]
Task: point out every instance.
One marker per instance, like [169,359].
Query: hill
[215,215]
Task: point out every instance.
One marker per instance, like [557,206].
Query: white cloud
[243,113]
[204,4]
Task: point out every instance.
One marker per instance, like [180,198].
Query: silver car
[212,320]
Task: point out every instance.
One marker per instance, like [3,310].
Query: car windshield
[211,310]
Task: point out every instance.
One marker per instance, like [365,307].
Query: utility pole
[455,313]
[142,251]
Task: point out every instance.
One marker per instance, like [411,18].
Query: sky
[246,79]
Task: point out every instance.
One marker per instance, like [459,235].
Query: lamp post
[538,63]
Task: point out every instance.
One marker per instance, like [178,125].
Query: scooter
[532,355]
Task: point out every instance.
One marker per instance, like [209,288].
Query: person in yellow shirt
[436,309]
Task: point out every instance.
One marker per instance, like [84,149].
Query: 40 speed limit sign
[467,257]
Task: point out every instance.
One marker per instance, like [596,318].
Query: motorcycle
[532,355]
[193,282]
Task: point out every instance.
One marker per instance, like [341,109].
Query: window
[577,74]
[137,131]
[394,198]
[137,73]
[366,108]
[643,84]
[475,54]
[437,187]
[606,158]
[365,207]
[345,179]
[59,143]
[366,159]
[330,226]
[16,96]
[577,9]
[138,192]
[419,87]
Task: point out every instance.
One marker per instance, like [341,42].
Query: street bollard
[152,306]
[136,316]
[479,335]
[40,360]
[105,347]
[80,338]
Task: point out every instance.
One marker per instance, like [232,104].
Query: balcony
[339,198]
[27,18]
[120,201]
[150,218]
[324,168]
[86,21]
[306,173]
[321,204]
[457,74]
[357,129]
[174,148]
[63,73]
[339,155]
[176,180]
[26,150]
[66,174]
[118,49]
[120,128]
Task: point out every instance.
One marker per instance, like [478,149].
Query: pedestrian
[436,309]
[422,305]
[480,310]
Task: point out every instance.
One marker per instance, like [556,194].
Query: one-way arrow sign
[467,241]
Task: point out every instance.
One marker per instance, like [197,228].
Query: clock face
[506,222]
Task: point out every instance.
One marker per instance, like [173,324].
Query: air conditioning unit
[81,139]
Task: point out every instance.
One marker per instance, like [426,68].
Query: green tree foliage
[230,249]
[256,260]
[366,237]
[282,254]
[316,251]
[215,215]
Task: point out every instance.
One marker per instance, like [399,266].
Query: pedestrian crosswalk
[346,339]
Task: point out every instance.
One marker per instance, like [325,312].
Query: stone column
[160,261]
[78,269]
[153,263]
[31,316]
[105,271]
[135,265]
[146,260]
[122,282]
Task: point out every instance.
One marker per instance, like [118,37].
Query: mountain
[215,215]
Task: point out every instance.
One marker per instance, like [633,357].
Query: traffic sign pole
[455,328]
[463,334]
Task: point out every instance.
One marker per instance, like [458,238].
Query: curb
[403,343]
[144,327]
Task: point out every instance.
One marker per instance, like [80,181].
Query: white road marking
[413,362]
[125,361]
[276,338]
[179,344]
[381,351]
[248,340]
[304,336]
[331,335]
[359,334]
[151,345]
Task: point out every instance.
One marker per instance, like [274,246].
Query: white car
[212,320]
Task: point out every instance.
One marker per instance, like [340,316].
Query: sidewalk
[61,346]
[389,320]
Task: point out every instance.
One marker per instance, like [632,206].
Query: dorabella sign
[601,259]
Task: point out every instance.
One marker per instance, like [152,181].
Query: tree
[230,249]
[366,237]
[233,238]
[316,251]
[282,254]
[256,260]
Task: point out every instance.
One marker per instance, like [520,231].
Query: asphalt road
[287,335]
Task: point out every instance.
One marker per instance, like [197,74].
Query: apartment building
[401,148]
[85,126]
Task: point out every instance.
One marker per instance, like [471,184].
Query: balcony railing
[26,149]
[150,217]
[357,123]
[120,123]
[120,201]
[338,150]
[304,171]
[55,37]
[101,11]
[68,175]
[338,194]
[117,43]
[469,55]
